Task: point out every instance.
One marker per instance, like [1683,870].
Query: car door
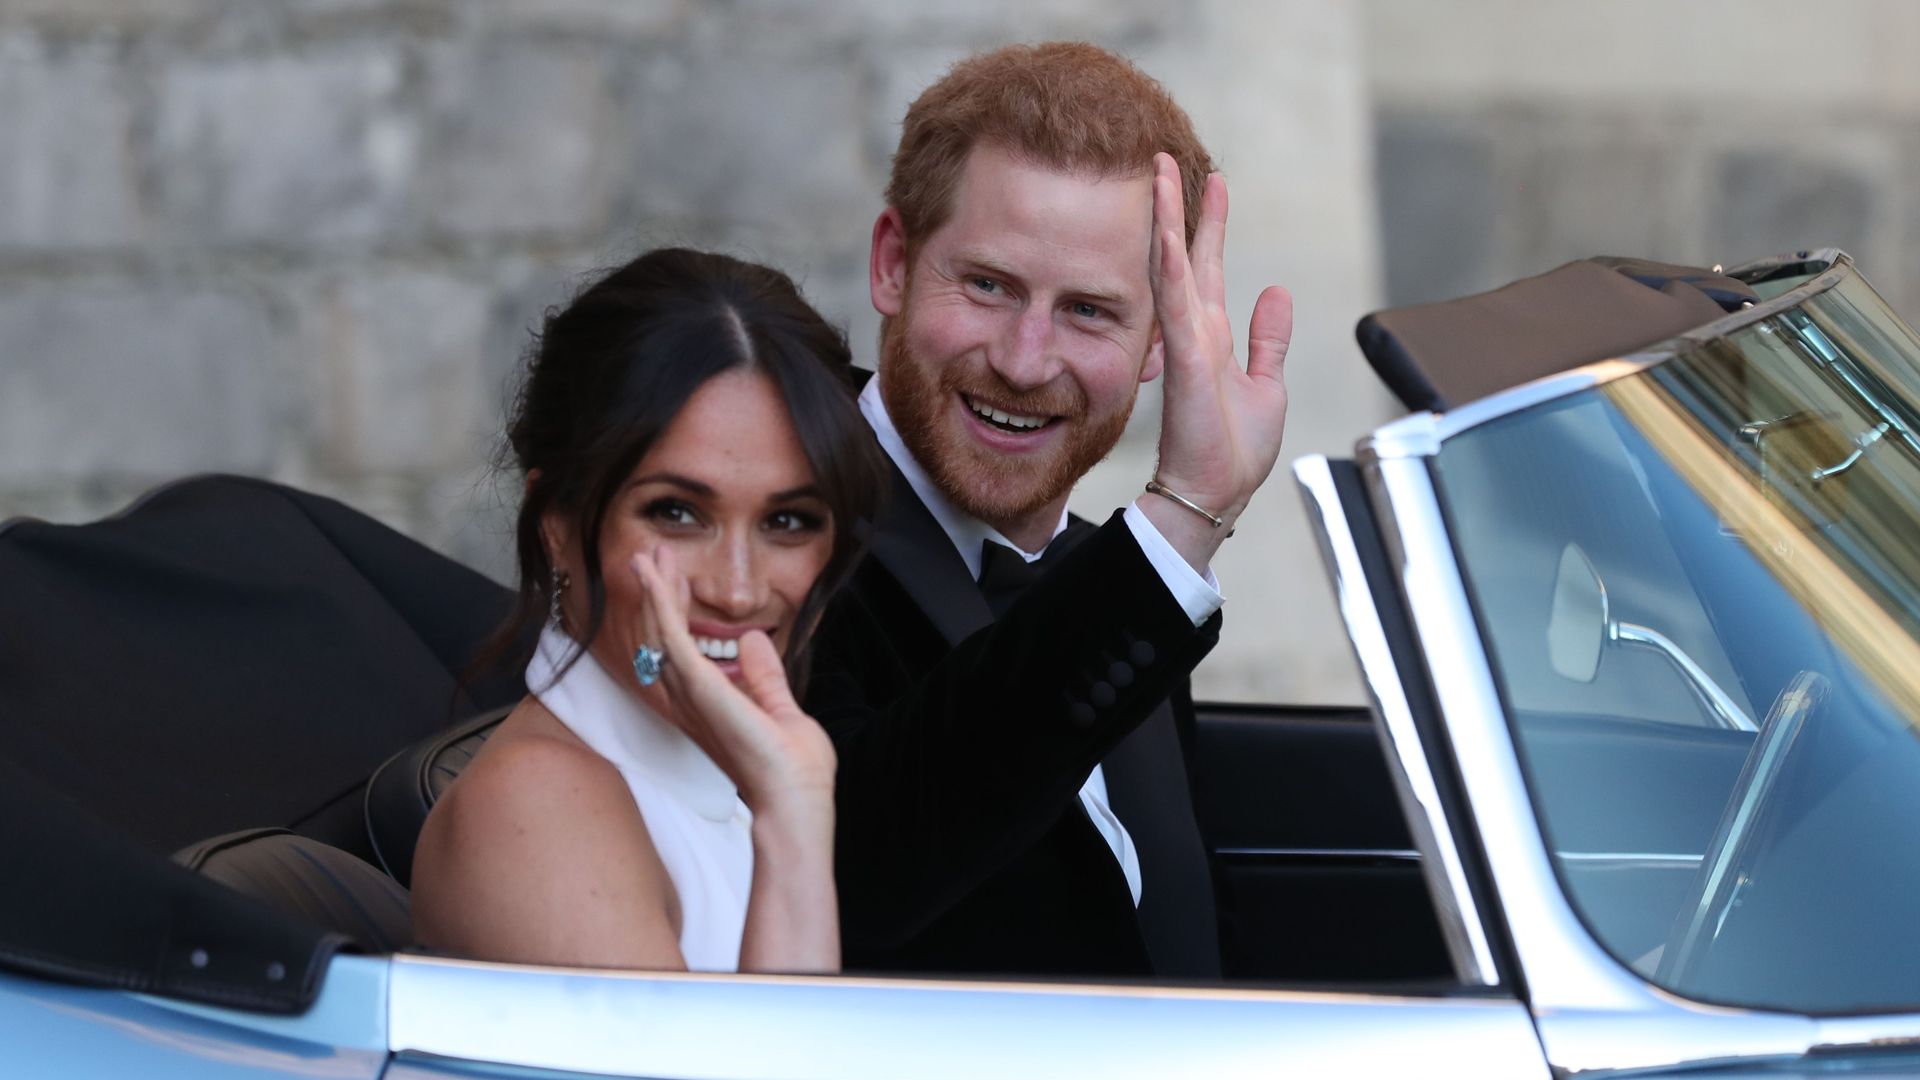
[1610,588]
[461,1019]
[1315,874]
[57,1029]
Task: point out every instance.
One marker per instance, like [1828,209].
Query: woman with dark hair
[695,466]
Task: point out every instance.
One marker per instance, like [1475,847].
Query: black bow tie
[1005,573]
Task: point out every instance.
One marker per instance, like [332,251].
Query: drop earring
[556,588]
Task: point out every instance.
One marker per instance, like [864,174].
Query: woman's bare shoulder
[522,762]
[535,823]
[531,778]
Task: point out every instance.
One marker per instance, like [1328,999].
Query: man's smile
[1004,419]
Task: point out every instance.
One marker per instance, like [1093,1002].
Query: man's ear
[887,263]
[1156,358]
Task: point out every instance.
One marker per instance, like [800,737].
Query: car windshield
[1700,589]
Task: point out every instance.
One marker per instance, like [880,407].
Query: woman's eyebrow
[674,479]
[688,483]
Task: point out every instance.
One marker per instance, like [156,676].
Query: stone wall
[306,239]
[1513,136]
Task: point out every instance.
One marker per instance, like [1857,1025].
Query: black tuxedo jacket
[962,845]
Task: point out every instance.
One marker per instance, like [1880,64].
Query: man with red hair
[1012,796]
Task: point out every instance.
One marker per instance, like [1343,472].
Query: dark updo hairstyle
[611,370]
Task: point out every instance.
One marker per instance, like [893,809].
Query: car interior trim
[1460,921]
[1625,858]
[1403,854]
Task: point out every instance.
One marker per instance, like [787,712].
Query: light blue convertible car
[1635,589]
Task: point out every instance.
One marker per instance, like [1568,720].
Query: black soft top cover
[227,654]
[1437,356]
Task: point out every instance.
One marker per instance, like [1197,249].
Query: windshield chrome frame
[1461,926]
[1593,1012]
[1577,991]
[1420,434]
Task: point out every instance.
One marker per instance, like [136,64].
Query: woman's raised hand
[759,736]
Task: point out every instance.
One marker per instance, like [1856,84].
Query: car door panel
[57,1030]
[1316,876]
[452,1019]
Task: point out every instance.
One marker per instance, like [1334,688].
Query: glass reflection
[1734,808]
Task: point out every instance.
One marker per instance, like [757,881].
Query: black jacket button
[1081,714]
[1120,674]
[1141,654]
[1101,694]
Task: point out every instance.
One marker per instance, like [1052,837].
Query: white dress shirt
[1198,596]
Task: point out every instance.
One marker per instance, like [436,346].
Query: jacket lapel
[1147,788]
[910,543]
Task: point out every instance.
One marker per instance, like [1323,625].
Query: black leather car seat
[407,785]
[316,882]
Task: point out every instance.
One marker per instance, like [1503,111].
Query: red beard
[1001,490]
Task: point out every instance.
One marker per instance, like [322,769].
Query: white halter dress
[699,825]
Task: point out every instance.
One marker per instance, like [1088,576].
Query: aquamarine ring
[647,662]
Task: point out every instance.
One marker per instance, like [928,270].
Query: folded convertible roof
[1437,356]
[226,654]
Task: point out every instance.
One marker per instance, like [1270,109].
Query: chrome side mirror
[1578,625]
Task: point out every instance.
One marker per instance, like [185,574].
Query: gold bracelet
[1155,487]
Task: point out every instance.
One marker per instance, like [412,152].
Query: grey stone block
[66,168]
[899,76]
[983,23]
[837,288]
[624,18]
[470,516]
[1438,206]
[767,140]
[1766,202]
[396,360]
[129,379]
[287,148]
[1584,186]
[522,138]
[86,16]
[523,291]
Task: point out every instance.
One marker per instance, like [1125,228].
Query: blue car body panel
[56,1030]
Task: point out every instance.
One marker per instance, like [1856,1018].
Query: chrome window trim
[1879,1032]
[1420,434]
[1748,270]
[1641,859]
[1461,923]
[751,1026]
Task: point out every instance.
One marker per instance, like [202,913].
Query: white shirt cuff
[1198,596]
